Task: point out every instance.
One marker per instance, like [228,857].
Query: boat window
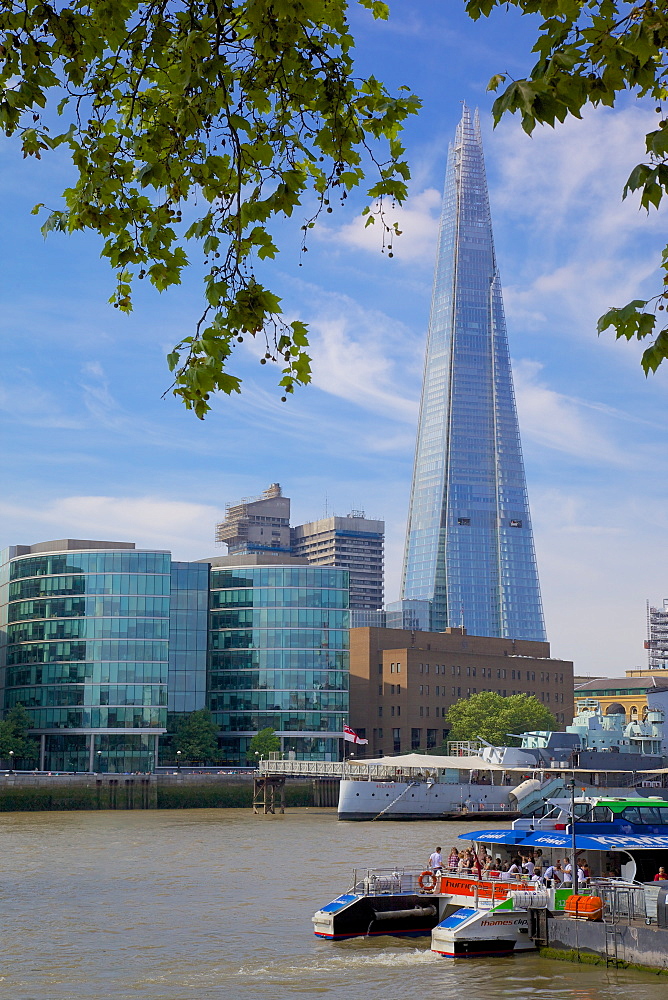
[601,814]
[654,815]
[647,815]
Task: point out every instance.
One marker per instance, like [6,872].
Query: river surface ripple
[189,904]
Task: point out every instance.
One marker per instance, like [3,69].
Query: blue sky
[90,448]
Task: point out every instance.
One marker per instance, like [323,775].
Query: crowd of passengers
[527,867]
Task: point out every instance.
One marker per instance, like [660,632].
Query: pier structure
[632,931]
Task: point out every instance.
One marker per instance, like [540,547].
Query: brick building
[402,683]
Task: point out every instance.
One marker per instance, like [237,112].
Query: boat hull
[472,933]
[355,915]
[403,800]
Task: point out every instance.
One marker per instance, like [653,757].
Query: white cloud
[599,561]
[581,248]
[417,220]
[186,529]
[562,423]
[27,403]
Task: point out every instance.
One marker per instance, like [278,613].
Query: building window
[392,710]
[431,738]
[421,689]
[398,688]
[391,668]
[380,734]
[396,739]
[426,712]
[416,737]
[398,709]
[380,711]
[391,688]
[421,711]
[380,668]
[380,689]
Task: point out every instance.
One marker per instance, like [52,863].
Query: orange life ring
[432,881]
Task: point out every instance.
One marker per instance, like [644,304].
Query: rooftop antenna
[326,506]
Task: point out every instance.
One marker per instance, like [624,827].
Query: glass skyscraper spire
[469,544]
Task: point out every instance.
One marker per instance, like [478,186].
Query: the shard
[469,544]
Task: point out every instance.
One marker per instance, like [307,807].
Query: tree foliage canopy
[193,125]
[590,52]
[196,737]
[490,716]
[263,743]
[14,735]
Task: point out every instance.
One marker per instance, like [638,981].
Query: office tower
[354,543]
[84,629]
[469,545]
[278,653]
[258,524]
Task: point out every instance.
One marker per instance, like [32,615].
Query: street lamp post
[178,761]
[574,860]
[99,760]
[11,761]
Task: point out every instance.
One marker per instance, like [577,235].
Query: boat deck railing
[395,881]
[355,771]
[623,901]
[386,881]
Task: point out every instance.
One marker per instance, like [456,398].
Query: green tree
[14,736]
[490,716]
[263,743]
[193,125]
[196,737]
[591,52]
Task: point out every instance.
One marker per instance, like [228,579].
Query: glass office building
[469,546]
[84,630]
[188,624]
[278,654]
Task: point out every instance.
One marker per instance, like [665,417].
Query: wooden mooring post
[264,794]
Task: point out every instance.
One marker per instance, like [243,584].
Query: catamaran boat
[470,914]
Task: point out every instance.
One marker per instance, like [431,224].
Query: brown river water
[189,904]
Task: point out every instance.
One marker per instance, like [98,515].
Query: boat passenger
[661,875]
[516,867]
[528,866]
[453,860]
[555,873]
[436,861]
[568,876]
[538,876]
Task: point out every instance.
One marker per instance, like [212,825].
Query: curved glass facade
[278,656]
[86,650]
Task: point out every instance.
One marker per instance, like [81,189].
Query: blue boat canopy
[559,839]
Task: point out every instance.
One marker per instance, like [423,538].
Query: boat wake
[346,961]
